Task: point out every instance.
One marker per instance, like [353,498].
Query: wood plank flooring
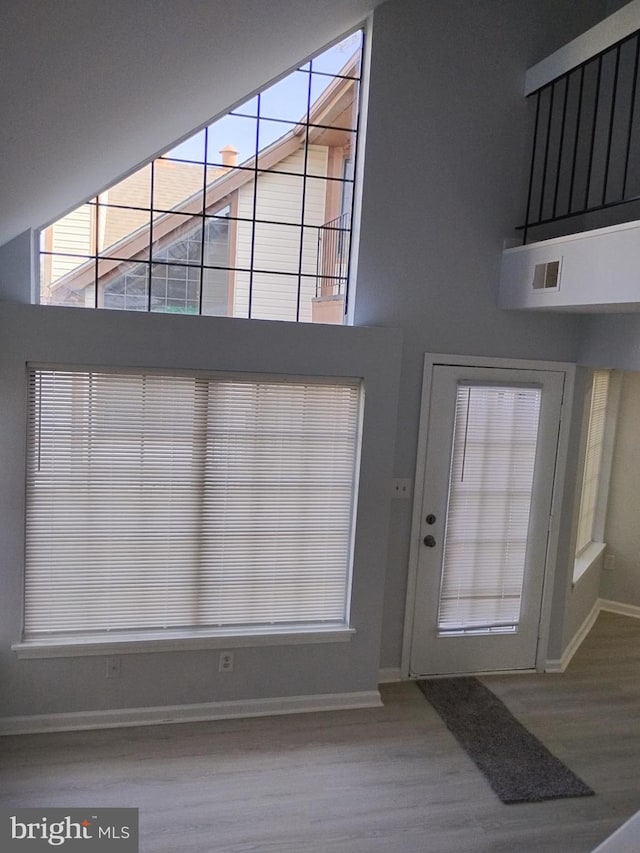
[390,779]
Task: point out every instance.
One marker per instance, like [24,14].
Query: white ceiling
[89,89]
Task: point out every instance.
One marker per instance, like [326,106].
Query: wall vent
[547,276]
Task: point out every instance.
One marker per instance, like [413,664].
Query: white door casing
[429,650]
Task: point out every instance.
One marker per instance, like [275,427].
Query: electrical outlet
[225,662]
[401,487]
[609,562]
[113,668]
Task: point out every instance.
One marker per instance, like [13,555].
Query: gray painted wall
[445,171]
[444,184]
[16,269]
[84,336]
[611,340]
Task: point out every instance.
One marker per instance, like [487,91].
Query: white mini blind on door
[490,486]
[593,458]
[176,502]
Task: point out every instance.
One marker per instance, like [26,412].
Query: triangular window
[269,186]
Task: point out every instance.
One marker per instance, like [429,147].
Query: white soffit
[613,29]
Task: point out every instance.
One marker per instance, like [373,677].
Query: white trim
[586,559]
[572,238]
[358,176]
[624,839]
[618,607]
[600,605]
[553,539]
[389,675]
[431,359]
[204,711]
[608,446]
[613,29]
[575,642]
[64,648]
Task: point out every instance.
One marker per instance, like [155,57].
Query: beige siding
[72,235]
[277,246]
[173,183]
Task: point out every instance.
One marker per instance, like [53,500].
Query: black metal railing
[333,256]
[586,145]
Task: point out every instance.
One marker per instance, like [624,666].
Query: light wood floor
[390,779]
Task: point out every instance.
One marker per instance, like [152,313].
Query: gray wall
[16,269]
[444,185]
[84,336]
[611,340]
[445,174]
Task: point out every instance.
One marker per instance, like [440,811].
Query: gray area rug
[518,767]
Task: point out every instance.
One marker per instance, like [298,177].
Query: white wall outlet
[225,662]
[609,562]
[401,487]
[113,667]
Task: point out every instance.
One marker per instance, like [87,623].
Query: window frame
[590,552]
[195,637]
[309,281]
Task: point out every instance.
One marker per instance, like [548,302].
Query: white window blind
[490,485]
[159,502]
[593,459]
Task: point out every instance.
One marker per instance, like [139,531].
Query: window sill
[176,641]
[586,559]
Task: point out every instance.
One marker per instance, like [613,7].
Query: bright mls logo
[70,829]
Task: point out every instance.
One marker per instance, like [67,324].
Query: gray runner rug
[518,767]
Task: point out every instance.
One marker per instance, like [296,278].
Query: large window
[180,505]
[270,186]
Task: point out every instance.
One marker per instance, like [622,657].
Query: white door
[491,448]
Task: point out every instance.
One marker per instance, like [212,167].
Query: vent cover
[547,276]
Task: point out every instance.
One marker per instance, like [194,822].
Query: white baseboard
[576,641]
[389,675]
[204,711]
[599,605]
[618,607]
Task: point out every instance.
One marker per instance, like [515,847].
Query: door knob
[429,541]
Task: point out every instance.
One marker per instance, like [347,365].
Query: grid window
[281,166]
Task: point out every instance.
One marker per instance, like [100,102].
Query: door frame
[432,360]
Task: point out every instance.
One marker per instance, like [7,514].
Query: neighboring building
[277,226]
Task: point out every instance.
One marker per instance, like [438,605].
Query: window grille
[270,185]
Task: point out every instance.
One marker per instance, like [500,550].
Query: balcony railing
[585,162]
[333,256]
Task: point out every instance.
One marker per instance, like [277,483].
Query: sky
[285,100]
